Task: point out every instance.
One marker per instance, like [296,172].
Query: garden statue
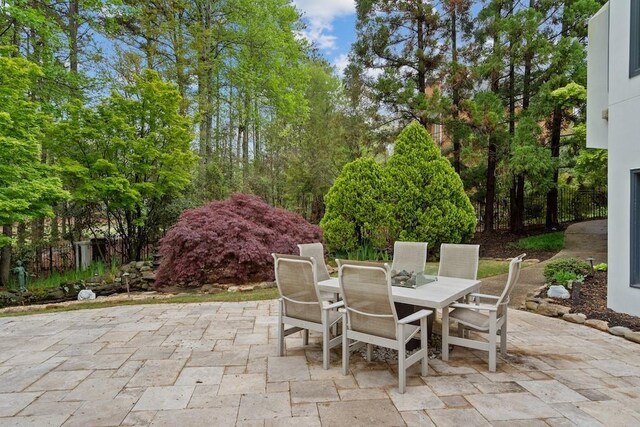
[22,276]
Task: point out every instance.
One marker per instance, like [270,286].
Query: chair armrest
[334,305]
[486,296]
[415,316]
[475,307]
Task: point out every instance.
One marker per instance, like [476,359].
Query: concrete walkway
[582,240]
[215,364]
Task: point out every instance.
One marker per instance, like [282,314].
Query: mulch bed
[499,245]
[593,303]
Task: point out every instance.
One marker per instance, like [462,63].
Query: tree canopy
[28,188]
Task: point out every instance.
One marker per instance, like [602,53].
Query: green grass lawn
[541,242]
[486,267]
[257,295]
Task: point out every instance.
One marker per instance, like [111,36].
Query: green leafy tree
[316,157]
[27,187]
[356,214]
[591,168]
[402,39]
[426,195]
[131,155]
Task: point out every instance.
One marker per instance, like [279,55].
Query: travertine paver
[313,391]
[217,364]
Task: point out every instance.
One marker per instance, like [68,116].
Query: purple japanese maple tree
[230,241]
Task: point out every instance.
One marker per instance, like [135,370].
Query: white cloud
[340,62]
[319,15]
[373,73]
[326,10]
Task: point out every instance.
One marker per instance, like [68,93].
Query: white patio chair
[316,251]
[460,261]
[479,317]
[370,317]
[409,256]
[300,304]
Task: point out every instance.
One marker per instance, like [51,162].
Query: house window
[635,228]
[634,43]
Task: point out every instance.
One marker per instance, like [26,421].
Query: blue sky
[330,26]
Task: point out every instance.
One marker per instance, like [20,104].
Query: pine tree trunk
[21,237]
[552,196]
[490,197]
[245,139]
[55,229]
[73,26]
[492,162]
[5,257]
[317,209]
[422,67]
[456,89]
[516,199]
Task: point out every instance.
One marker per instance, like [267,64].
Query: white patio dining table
[435,295]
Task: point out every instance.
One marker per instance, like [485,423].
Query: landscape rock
[557,291]
[578,318]
[267,285]
[233,288]
[149,276]
[600,325]
[633,336]
[247,288]
[551,310]
[86,294]
[619,331]
[531,305]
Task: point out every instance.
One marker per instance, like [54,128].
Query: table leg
[445,334]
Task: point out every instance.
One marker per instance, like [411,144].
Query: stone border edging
[545,307]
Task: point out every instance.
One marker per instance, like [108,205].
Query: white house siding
[597,79]
[623,141]
[624,155]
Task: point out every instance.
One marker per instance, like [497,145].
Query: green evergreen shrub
[418,196]
[576,266]
[600,267]
[426,195]
[356,214]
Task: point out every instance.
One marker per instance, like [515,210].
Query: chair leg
[503,336]
[305,337]
[402,356]
[445,334]
[424,347]
[325,339]
[280,330]
[369,352]
[460,330]
[493,335]
[345,346]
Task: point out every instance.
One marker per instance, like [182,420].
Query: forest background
[116,115]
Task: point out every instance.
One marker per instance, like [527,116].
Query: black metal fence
[44,259]
[573,205]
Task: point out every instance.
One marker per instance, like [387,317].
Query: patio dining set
[377,304]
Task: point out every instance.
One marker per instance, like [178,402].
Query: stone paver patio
[215,364]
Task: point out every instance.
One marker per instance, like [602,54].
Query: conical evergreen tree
[426,196]
[356,213]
